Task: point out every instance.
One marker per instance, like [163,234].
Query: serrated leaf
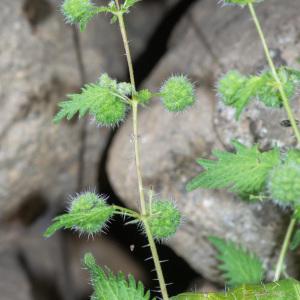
[104,101]
[238,265]
[244,172]
[108,286]
[288,289]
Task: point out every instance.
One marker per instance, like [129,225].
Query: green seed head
[91,213]
[293,156]
[230,85]
[284,184]
[109,110]
[164,219]
[177,93]
[144,96]
[78,11]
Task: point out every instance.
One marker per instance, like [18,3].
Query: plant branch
[134,105]
[284,249]
[283,95]
[286,104]
[156,260]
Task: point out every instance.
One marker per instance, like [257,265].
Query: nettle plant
[252,174]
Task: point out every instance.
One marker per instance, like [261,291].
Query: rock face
[13,282]
[37,69]
[210,41]
[41,163]
[39,65]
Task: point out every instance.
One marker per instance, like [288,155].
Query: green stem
[283,95]
[284,249]
[127,212]
[286,104]
[156,260]
[143,209]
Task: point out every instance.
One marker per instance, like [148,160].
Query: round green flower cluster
[177,93]
[78,11]
[89,213]
[108,109]
[230,87]
[164,219]
[284,184]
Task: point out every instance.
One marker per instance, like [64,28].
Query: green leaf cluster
[88,214]
[105,101]
[108,286]
[237,90]
[239,266]
[244,172]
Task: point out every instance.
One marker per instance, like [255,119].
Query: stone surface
[14,284]
[103,38]
[38,67]
[107,252]
[210,41]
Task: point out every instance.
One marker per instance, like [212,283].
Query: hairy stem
[134,105]
[156,260]
[286,104]
[284,249]
[283,95]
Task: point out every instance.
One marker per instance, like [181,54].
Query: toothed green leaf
[238,265]
[244,172]
[104,101]
[108,286]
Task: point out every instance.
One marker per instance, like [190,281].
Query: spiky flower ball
[177,93]
[88,213]
[230,85]
[144,96]
[108,109]
[78,11]
[284,184]
[164,218]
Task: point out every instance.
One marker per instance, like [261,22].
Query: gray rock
[38,67]
[210,41]
[14,284]
[107,254]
